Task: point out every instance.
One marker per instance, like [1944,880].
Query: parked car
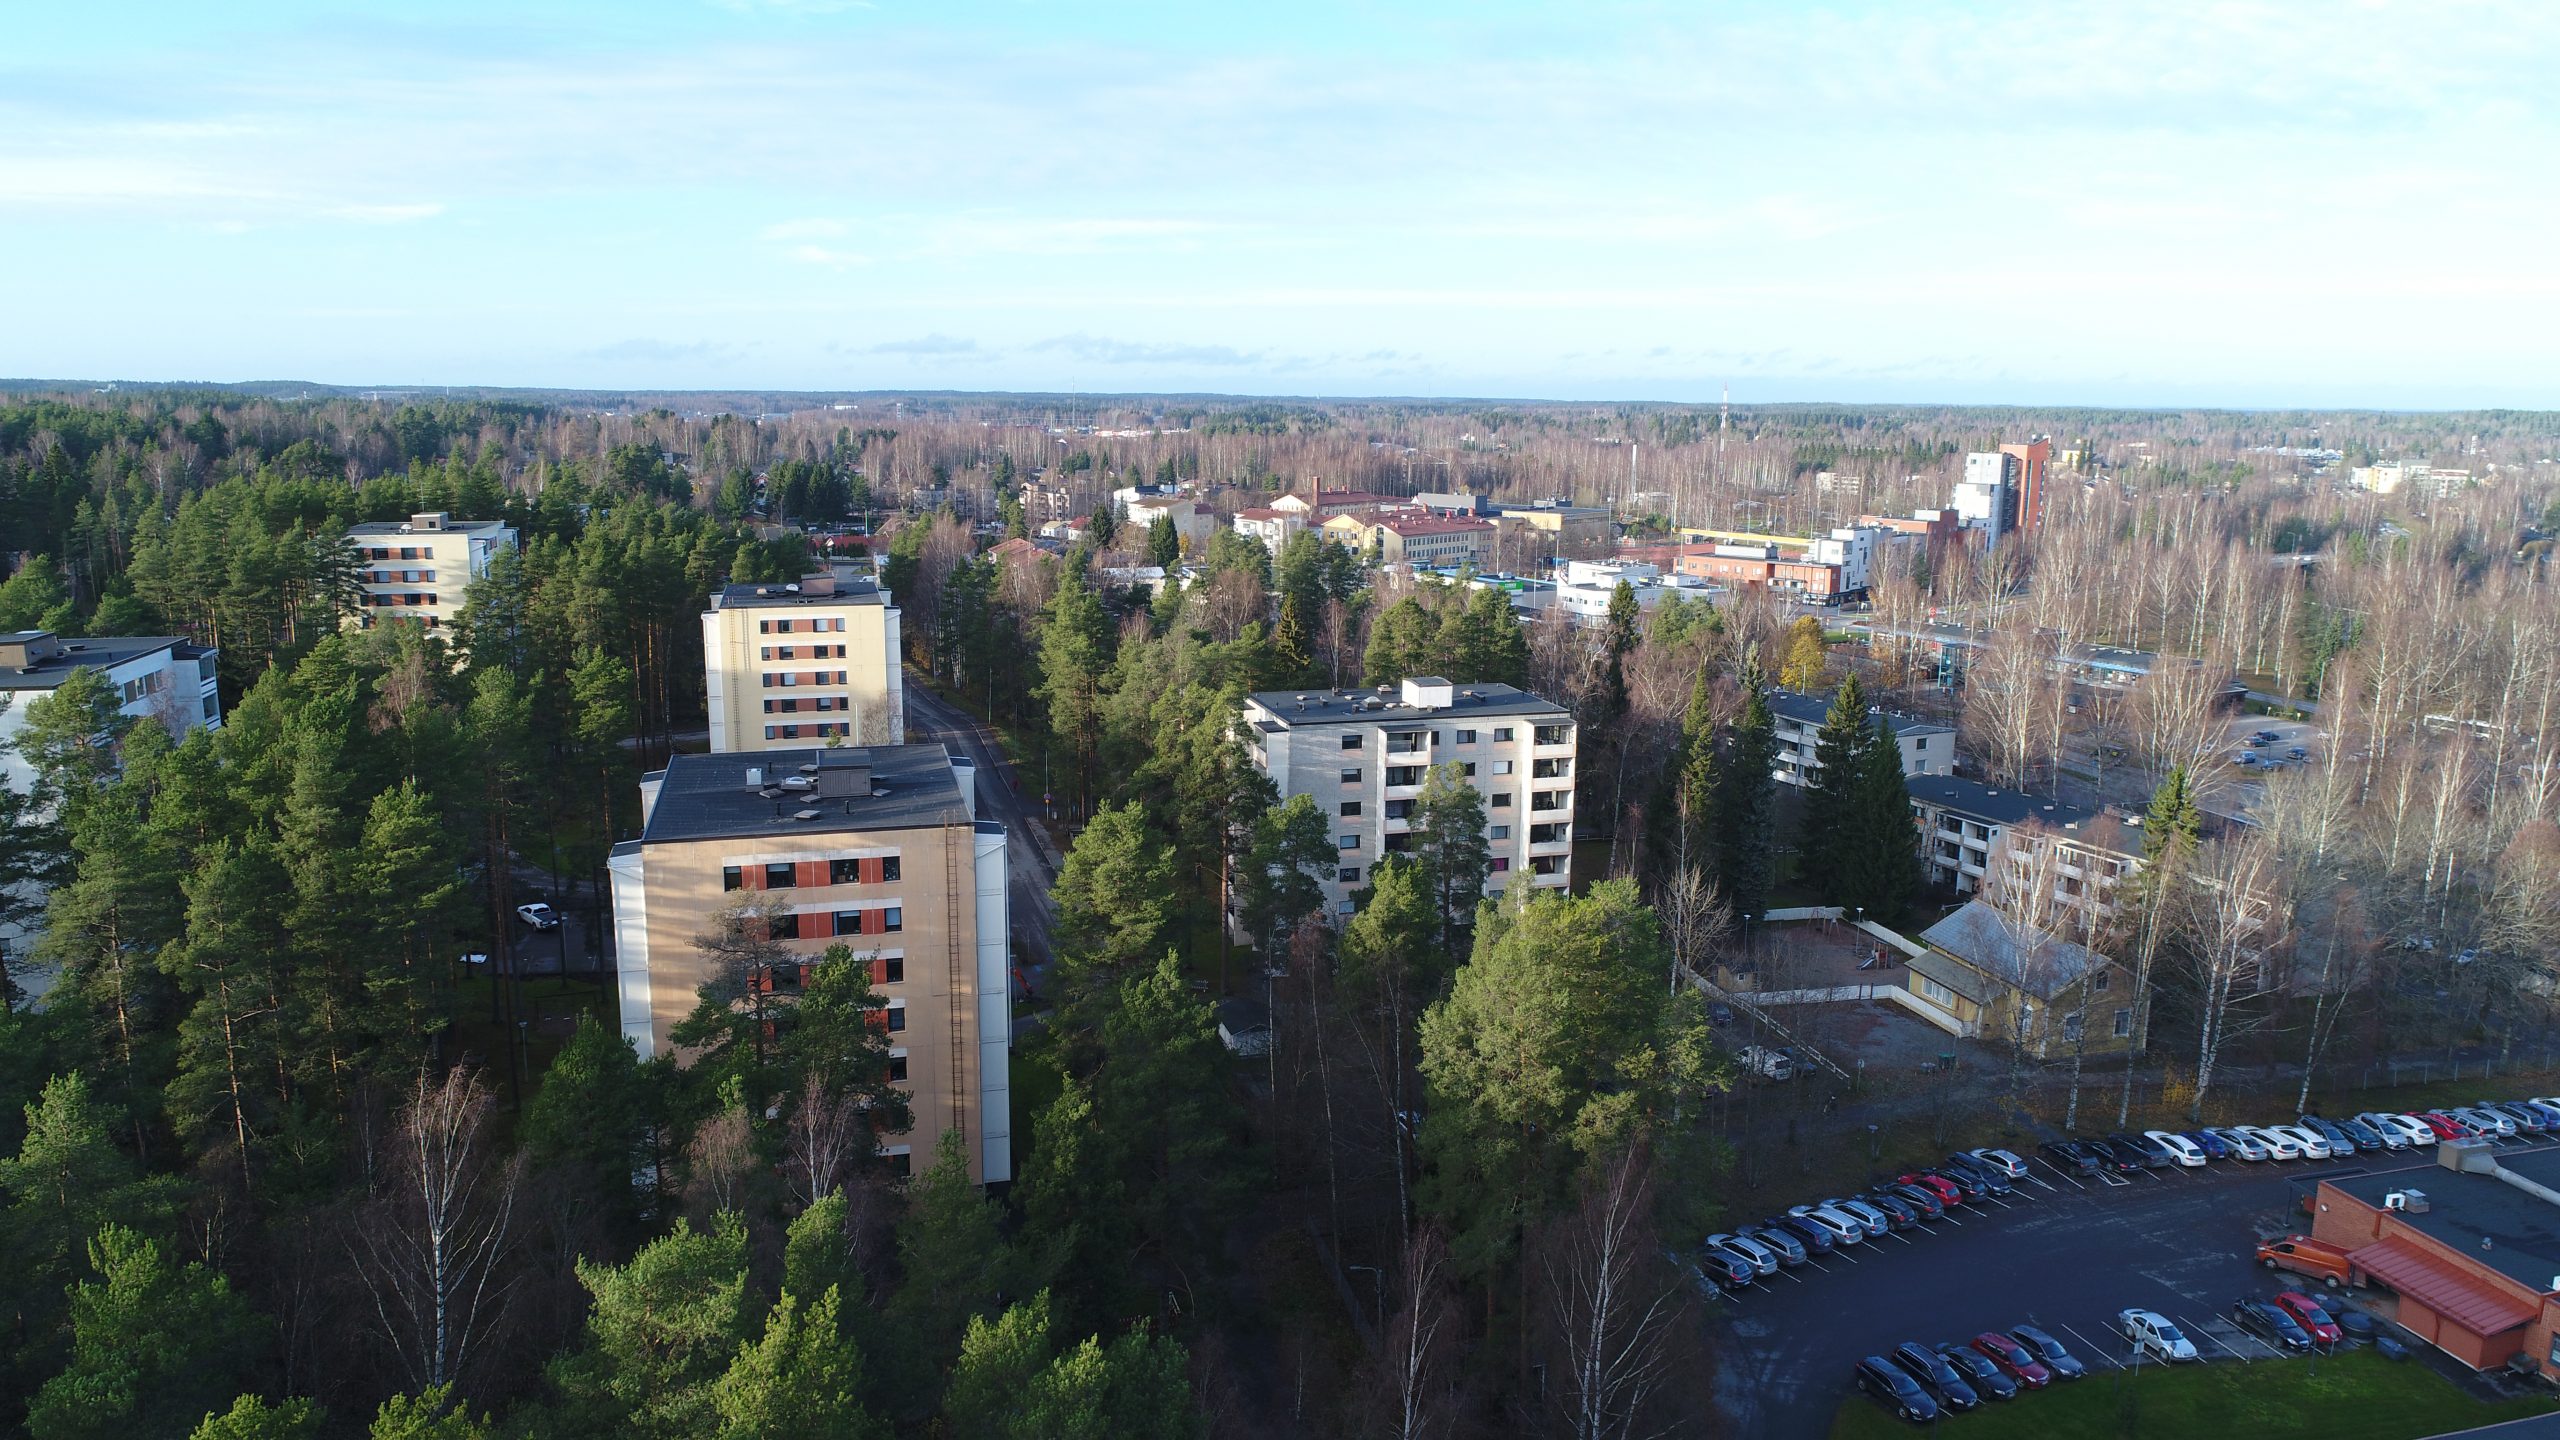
[2269,1324]
[1761,1259]
[2296,752]
[2549,1112]
[2124,1153]
[1935,1376]
[2181,1149]
[2313,1144]
[2013,1360]
[2355,1327]
[1767,1064]
[1893,1388]
[2445,1125]
[2069,1156]
[2391,1135]
[1927,1201]
[2210,1143]
[2487,1122]
[1873,1219]
[2525,1118]
[539,915]
[2303,1255]
[1999,1162]
[1899,1213]
[1726,1268]
[2341,1144]
[1817,1238]
[1789,1247]
[2279,1147]
[1987,1379]
[2311,1315]
[1840,1225]
[1949,1193]
[2048,1352]
[2243,1145]
[1974,1173]
[1720,1015]
[2411,1130]
[2151,1333]
[2270,736]
[2363,1136]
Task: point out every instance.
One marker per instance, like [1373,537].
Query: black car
[1989,1178]
[1920,1198]
[1730,1271]
[2154,1154]
[2117,1157]
[2069,1156]
[2365,1136]
[1898,1211]
[1936,1376]
[1816,1240]
[2270,1324]
[1967,1181]
[1894,1388]
[2049,1352]
[1988,1380]
[1790,1248]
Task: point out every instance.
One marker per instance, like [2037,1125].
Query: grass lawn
[2354,1396]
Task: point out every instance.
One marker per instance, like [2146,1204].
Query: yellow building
[878,849]
[1411,536]
[422,568]
[788,664]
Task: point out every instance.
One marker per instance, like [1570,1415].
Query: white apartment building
[1144,505]
[422,568]
[788,665]
[1363,756]
[1928,748]
[1965,826]
[1274,528]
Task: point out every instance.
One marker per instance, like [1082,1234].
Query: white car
[2002,1161]
[539,916]
[1759,1257]
[2243,1146]
[2153,1335]
[2417,1132]
[2315,1146]
[1842,1229]
[798,782]
[2180,1148]
[2393,1137]
[2487,1122]
[1875,1220]
[2279,1146]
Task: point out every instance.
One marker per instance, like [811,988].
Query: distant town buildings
[422,568]
[814,660]
[1410,535]
[2005,490]
[1831,568]
[2392,477]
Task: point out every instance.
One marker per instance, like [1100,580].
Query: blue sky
[2168,203]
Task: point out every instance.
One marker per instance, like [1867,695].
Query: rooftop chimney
[844,774]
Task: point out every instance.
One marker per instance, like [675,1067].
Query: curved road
[1000,797]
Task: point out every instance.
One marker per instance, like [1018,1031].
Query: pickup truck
[2305,1256]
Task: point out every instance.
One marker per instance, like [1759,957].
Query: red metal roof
[2443,1284]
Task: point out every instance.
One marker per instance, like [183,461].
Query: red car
[2306,1312]
[2445,1126]
[1946,1190]
[2013,1359]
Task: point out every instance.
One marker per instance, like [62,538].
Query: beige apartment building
[422,568]
[786,665]
[875,848]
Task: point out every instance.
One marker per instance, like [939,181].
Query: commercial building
[815,660]
[1409,535]
[1329,503]
[875,848]
[2028,987]
[1363,755]
[1928,748]
[1448,502]
[2469,1248]
[1143,505]
[1561,528]
[421,569]
[1965,825]
[1832,568]
[155,677]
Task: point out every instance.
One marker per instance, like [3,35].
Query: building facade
[1928,748]
[2040,991]
[1965,827]
[154,677]
[2469,1246]
[1362,756]
[422,568]
[816,661]
[1271,526]
[874,848]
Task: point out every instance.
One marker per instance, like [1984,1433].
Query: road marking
[2097,1352]
[2113,1177]
[1893,1235]
[2186,1324]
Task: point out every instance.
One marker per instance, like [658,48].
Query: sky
[2172,203]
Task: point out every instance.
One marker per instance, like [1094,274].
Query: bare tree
[1413,1387]
[433,1247]
[826,1137]
[2235,914]
[1608,1305]
[720,1160]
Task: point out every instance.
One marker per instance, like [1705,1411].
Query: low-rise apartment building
[1273,527]
[1928,748]
[422,568]
[816,660]
[1362,756]
[874,848]
[154,677]
[1965,826]
[1560,528]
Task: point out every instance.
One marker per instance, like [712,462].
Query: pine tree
[800,1381]
[1114,898]
[156,1345]
[1840,749]
[664,1327]
[1881,870]
[1449,845]
[1075,653]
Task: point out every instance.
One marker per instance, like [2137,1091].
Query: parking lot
[2064,1253]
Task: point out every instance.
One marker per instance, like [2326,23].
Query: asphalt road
[2064,1254]
[1003,796]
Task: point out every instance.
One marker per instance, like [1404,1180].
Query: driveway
[1000,797]
[2065,1254]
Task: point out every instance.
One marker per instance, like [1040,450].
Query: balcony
[1551,800]
[1557,769]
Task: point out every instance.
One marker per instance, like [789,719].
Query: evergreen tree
[2173,825]
[1076,1224]
[1075,654]
[954,1259]
[156,1346]
[433,1415]
[800,1381]
[1450,847]
[664,1327]
[1403,642]
[1164,543]
[1132,1389]
[1293,855]
[1746,809]
[1881,860]
[66,1182]
[69,739]
[590,1120]
[1840,751]
[251,1418]
[1164,1103]
[1113,900]
[999,1359]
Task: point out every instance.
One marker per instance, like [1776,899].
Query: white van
[1767,1064]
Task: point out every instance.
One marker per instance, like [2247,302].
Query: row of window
[1417,739]
[817,925]
[412,598]
[149,684]
[802,652]
[787,679]
[805,625]
[1412,774]
[818,703]
[403,552]
[815,730]
[400,577]
[789,874]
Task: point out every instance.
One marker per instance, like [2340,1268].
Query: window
[732,878]
[1348,875]
[844,872]
[1502,800]
[1350,739]
[1350,777]
[1498,832]
[1502,734]
[897,1016]
[1350,808]
[1501,767]
[848,922]
[2101,980]
[1346,908]
[1466,737]
[2072,1024]
[897,1066]
[894,919]
[893,969]
[1920,744]
[2124,1024]
[1467,769]
[888,868]
[1501,863]
[781,875]
[785,927]
[1554,735]
[1348,842]
[901,1164]
[1933,991]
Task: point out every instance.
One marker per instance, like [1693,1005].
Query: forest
[273,1163]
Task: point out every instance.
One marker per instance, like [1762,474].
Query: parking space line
[2095,1350]
[1894,1235]
[2186,1323]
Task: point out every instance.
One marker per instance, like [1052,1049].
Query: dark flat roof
[2523,1230]
[705,797]
[1340,707]
[97,654]
[1812,710]
[744,597]
[1977,801]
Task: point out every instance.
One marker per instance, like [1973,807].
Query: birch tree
[435,1247]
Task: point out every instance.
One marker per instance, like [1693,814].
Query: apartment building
[1363,755]
[1143,505]
[815,660]
[422,568]
[156,677]
[1273,527]
[1928,748]
[1409,535]
[1965,826]
[877,848]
